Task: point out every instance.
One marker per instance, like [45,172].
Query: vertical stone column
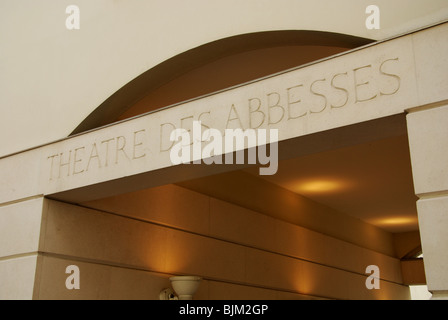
[20,233]
[428,141]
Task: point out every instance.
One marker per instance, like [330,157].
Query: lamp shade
[185,286]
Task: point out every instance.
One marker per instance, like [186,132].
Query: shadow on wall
[215,66]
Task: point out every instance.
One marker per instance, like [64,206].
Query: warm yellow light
[320,186]
[395,221]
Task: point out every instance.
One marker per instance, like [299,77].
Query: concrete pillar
[20,231]
[428,140]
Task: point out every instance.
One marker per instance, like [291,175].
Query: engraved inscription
[357,86]
[391,75]
[363,89]
[300,99]
[343,89]
[97,155]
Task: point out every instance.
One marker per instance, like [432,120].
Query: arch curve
[115,107]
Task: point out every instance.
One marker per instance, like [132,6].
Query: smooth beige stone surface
[21,176]
[168,205]
[98,282]
[373,82]
[226,291]
[234,223]
[381,81]
[134,39]
[198,255]
[313,246]
[439,295]
[433,221]
[92,236]
[272,270]
[246,227]
[429,156]
[249,191]
[20,227]
[428,132]
[17,278]
[430,51]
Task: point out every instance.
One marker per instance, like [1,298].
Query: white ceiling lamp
[184,286]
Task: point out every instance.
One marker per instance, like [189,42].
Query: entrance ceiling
[371,182]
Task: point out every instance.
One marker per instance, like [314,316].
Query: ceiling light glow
[320,186]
